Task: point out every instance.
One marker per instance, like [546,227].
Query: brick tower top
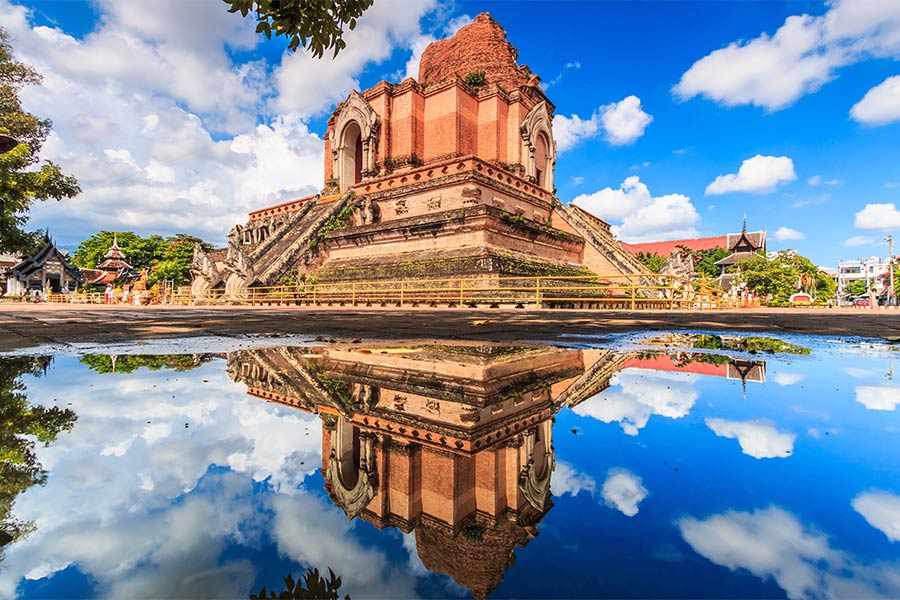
[481,45]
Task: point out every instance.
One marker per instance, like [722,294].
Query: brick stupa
[450,176]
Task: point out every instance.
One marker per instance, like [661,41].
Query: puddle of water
[454,470]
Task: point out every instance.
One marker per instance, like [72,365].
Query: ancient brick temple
[449,175]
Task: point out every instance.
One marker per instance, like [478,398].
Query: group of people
[127,296]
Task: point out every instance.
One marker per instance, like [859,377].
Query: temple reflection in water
[452,441]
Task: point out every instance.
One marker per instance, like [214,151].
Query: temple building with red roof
[742,246]
[668,247]
[113,268]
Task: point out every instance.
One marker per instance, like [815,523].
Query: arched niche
[539,148]
[351,468]
[539,459]
[354,140]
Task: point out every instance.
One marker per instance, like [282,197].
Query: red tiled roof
[97,277]
[664,362]
[756,238]
[666,248]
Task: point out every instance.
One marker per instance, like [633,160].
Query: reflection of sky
[138,505]
[661,491]
[637,394]
[815,519]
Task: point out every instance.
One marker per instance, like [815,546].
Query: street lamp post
[892,298]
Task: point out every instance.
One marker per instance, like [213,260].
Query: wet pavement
[24,325]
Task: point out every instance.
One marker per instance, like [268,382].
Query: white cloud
[638,216]
[312,86]
[858,240]
[880,105]
[786,379]
[768,543]
[872,26]
[300,518]
[858,373]
[816,201]
[419,42]
[878,216]
[623,490]
[566,479]
[577,180]
[804,53]
[166,132]
[771,72]
[634,396]
[570,131]
[878,397]
[620,123]
[759,440]
[757,175]
[785,234]
[816,180]
[624,121]
[566,68]
[881,510]
[149,519]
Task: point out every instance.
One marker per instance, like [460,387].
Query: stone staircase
[292,243]
[593,381]
[296,247]
[603,241]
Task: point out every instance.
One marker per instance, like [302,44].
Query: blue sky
[176,117]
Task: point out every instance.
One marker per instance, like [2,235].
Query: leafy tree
[176,258]
[826,286]
[139,252]
[314,24]
[21,182]
[22,426]
[856,288]
[784,275]
[312,587]
[705,261]
[103,364]
[164,258]
[652,260]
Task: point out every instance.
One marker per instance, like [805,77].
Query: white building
[874,271]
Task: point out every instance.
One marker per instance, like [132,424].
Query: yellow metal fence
[615,292]
[623,292]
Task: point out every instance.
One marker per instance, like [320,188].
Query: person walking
[109,293]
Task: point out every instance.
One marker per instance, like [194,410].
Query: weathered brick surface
[480,45]
[478,566]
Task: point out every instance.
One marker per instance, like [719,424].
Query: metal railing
[630,292]
[624,292]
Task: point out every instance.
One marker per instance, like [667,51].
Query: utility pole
[892,298]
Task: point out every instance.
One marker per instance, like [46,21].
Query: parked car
[862,302]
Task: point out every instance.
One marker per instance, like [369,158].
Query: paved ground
[28,325]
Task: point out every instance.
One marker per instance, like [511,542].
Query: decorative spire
[114,251]
[744,231]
